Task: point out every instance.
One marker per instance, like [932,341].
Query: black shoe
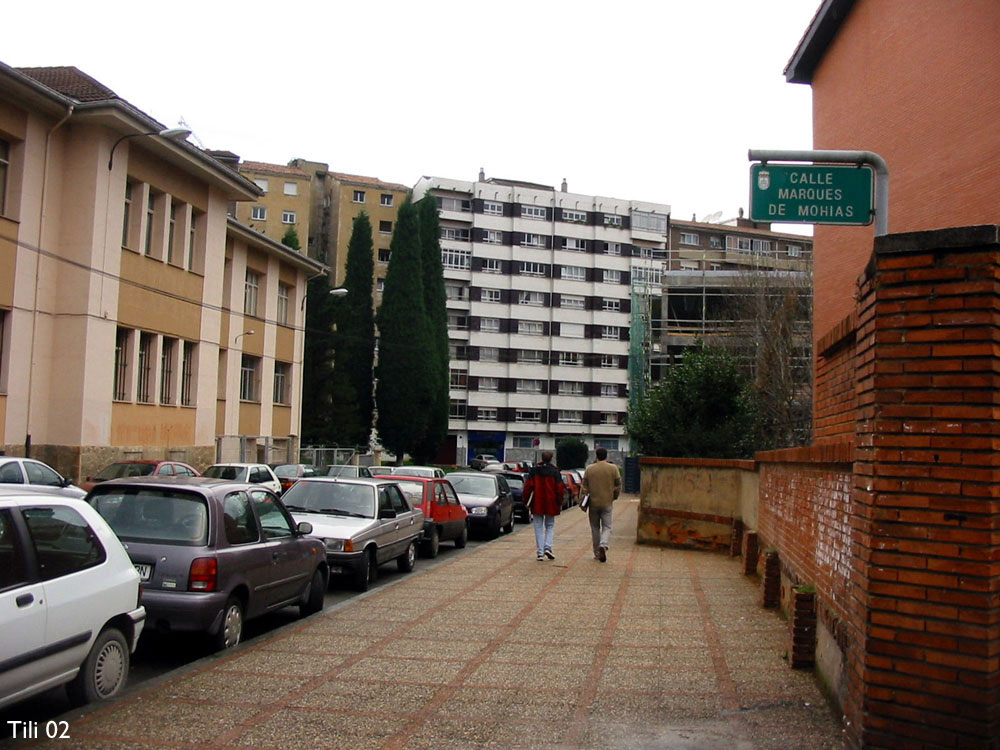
[548,554]
[602,554]
[540,558]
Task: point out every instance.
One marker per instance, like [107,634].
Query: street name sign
[811,193]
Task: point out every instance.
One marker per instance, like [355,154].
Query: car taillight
[203,575]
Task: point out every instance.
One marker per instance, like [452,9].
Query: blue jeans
[544,531]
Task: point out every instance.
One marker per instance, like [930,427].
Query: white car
[69,600]
[36,476]
[252,473]
[418,471]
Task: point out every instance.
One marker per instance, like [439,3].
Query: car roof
[238,464]
[196,483]
[371,481]
[473,474]
[144,461]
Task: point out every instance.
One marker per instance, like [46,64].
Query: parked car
[69,600]
[213,553]
[572,488]
[380,471]
[515,480]
[261,474]
[487,498]
[140,467]
[289,474]
[35,476]
[418,471]
[363,523]
[480,461]
[444,515]
[346,470]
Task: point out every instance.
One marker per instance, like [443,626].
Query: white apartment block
[539,285]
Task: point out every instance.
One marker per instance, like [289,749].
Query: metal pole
[846,157]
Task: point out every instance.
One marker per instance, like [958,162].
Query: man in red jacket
[543,494]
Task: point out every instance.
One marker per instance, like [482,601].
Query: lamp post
[338,292]
[236,340]
[173,134]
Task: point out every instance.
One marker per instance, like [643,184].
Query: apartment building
[540,292]
[136,318]
[284,203]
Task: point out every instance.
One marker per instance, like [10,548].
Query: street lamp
[338,292]
[173,134]
[236,340]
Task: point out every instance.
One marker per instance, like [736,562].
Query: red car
[140,467]
[572,488]
[444,515]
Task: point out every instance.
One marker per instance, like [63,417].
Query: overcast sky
[654,100]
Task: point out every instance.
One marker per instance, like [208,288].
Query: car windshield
[413,471]
[233,473]
[126,469]
[515,483]
[286,471]
[414,491]
[473,485]
[153,515]
[331,497]
[341,471]
[379,470]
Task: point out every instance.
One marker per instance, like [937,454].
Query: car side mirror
[65,482]
[387,514]
[304,527]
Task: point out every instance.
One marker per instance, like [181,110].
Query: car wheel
[509,528]
[367,572]
[433,545]
[463,538]
[408,559]
[317,590]
[104,672]
[231,630]
[495,527]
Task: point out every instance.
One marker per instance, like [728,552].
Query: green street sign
[811,193]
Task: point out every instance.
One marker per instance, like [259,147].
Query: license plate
[144,571]
[336,570]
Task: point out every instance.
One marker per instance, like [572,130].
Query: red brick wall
[915,81]
[834,400]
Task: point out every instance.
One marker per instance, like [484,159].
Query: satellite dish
[712,218]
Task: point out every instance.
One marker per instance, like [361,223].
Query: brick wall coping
[824,453]
[841,334]
[716,463]
[952,238]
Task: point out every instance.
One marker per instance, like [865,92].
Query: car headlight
[479,510]
[339,545]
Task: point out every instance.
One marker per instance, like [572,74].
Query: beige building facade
[127,294]
[285,201]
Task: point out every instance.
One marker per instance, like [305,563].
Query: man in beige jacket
[603,482]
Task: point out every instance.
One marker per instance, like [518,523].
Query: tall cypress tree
[355,342]
[317,358]
[437,323]
[403,390]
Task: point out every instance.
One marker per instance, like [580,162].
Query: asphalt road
[158,655]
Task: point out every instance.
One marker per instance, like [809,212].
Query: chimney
[482,175]
[565,187]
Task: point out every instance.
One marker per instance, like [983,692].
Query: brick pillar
[751,552]
[771,585]
[736,540]
[802,627]
[923,662]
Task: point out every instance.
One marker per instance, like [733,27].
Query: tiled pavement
[657,648]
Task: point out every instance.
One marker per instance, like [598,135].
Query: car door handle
[274,555]
[24,600]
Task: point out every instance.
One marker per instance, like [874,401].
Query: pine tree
[437,322]
[403,390]
[355,341]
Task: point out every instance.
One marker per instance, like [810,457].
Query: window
[609,390]
[530,298]
[689,238]
[493,237]
[533,240]
[489,354]
[380,285]
[457,234]
[761,247]
[187,371]
[570,416]
[291,188]
[571,359]
[359,196]
[454,204]
[574,244]
[609,417]
[192,253]
[287,217]
[459,379]
[456,409]
[385,227]
[261,183]
[577,216]
[251,289]
[529,386]
[610,333]
[493,208]
[531,269]
[654,276]
[144,394]
[573,273]
[610,220]
[532,212]
[794,251]
[459,322]
[572,330]
[491,295]
[572,302]
[284,292]
[240,525]
[63,541]
[126,216]
[530,327]
[525,441]
[258,213]
[4,167]
[384,255]
[486,414]
[645,221]
[609,360]
[453,291]
[612,276]
[386,199]
[611,305]
[460,259]
[249,378]
[459,352]
[528,415]
[492,265]
[489,384]
[741,244]
[530,356]
[610,444]
[147,247]
[122,338]
[281,379]
[612,248]
[489,325]
[687,265]
[715,241]
[273,519]
[167,352]
[567,388]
